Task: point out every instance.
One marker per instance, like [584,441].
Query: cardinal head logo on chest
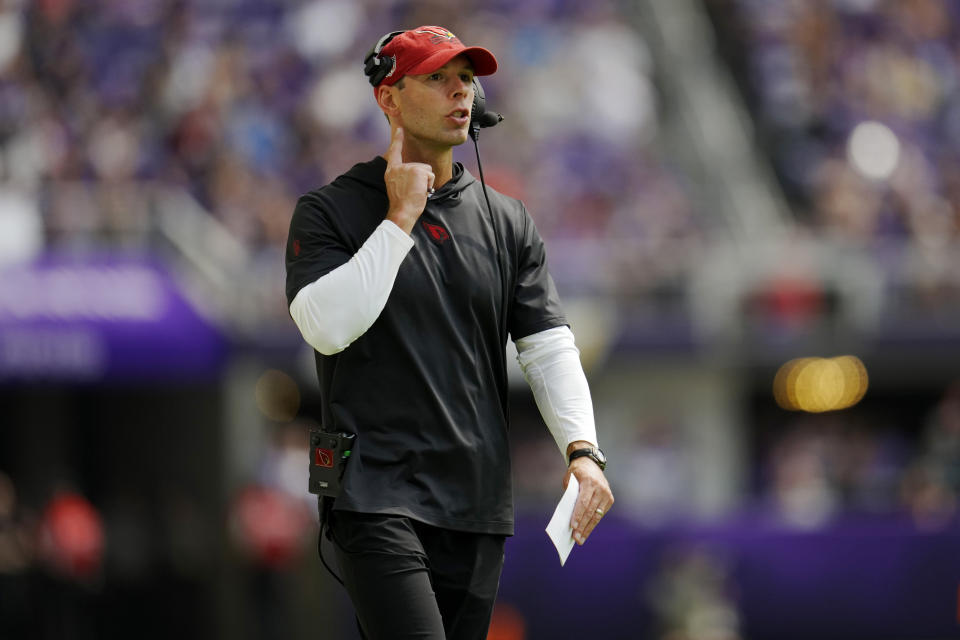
[438,233]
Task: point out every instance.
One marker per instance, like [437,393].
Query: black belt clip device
[329,453]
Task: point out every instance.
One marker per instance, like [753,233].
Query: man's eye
[435,76]
[466,77]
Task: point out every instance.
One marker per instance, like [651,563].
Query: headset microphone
[480,118]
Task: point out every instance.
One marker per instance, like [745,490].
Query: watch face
[600,455]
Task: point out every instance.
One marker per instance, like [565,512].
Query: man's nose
[461,88]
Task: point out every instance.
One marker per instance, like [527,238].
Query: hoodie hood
[370,174]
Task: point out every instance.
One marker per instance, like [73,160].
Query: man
[407,286]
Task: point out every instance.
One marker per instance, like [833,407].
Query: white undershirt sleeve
[551,366]
[339,307]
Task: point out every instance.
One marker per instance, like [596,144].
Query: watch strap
[589,453]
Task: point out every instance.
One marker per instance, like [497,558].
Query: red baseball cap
[428,48]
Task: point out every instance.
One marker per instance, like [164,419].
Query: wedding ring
[599,511]
[430,191]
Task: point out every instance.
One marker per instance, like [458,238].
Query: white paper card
[559,528]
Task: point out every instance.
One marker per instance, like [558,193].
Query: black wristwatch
[593,453]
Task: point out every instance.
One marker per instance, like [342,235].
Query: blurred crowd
[815,70]
[246,104]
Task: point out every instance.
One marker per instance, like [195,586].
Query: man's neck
[440,160]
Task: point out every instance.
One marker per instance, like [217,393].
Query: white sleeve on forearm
[551,365]
[339,307]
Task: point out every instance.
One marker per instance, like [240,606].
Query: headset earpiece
[375,67]
[480,118]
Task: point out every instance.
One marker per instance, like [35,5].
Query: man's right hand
[407,185]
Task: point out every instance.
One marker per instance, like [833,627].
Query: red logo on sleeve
[437,232]
[296,247]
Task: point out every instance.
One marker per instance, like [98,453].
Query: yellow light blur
[855,377]
[816,385]
[277,396]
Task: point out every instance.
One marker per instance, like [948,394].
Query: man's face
[435,107]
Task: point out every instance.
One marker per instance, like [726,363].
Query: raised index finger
[395,151]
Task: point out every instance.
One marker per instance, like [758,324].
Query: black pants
[411,580]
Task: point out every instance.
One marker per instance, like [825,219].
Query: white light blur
[341,99]
[21,227]
[11,37]
[324,28]
[857,6]
[873,150]
[189,78]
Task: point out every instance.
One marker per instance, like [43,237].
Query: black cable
[505,295]
[474,134]
[483,182]
[324,517]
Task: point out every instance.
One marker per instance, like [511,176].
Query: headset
[377,68]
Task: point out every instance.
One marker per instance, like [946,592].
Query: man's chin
[451,138]
[458,137]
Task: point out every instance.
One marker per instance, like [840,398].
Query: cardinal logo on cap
[438,34]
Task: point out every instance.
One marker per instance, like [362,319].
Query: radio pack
[329,453]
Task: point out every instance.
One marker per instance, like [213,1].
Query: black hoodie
[425,388]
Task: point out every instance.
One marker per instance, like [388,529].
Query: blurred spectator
[942,436]
[692,595]
[17,551]
[654,475]
[16,541]
[801,490]
[931,485]
[507,623]
[273,524]
[284,464]
[929,499]
[71,539]
[268,526]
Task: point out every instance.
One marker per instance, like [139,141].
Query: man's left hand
[595,497]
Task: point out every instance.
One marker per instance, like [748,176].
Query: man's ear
[387,101]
